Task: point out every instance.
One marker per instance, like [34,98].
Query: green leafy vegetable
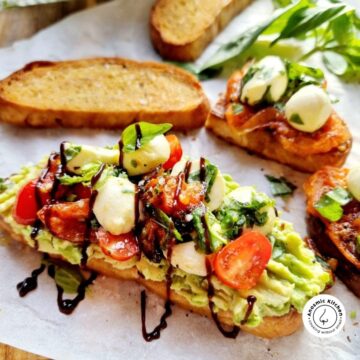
[87,173]
[165,221]
[199,228]
[330,28]
[67,276]
[148,132]
[280,186]
[3,185]
[330,204]
[211,172]
[234,215]
[71,152]
[215,234]
[295,118]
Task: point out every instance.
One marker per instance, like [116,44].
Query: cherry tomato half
[119,247]
[26,207]
[175,151]
[241,263]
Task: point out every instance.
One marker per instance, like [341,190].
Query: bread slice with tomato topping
[181,30]
[333,207]
[280,111]
[142,211]
[102,93]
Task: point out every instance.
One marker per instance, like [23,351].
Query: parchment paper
[107,324]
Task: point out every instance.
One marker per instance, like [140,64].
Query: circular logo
[324,316]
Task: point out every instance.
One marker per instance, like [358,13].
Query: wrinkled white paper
[107,324]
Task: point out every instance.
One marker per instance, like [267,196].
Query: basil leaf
[330,204]
[340,195]
[216,237]
[165,221]
[343,29]
[199,228]
[71,152]
[329,208]
[242,42]
[306,19]
[87,172]
[280,186]
[148,132]
[211,172]
[335,63]
[295,118]
[3,185]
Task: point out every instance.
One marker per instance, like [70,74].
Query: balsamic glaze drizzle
[30,283]
[67,306]
[233,333]
[251,300]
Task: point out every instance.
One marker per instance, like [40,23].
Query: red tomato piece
[241,263]
[26,207]
[119,247]
[175,151]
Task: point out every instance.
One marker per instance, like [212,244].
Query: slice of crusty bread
[264,143]
[180,30]
[102,93]
[270,328]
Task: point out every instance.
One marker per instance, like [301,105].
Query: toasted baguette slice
[265,144]
[102,93]
[181,30]
[270,328]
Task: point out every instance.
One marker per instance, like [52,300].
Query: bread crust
[271,327]
[191,116]
[191,49]
[265,144]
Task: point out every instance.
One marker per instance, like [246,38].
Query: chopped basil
[237,109]
[3,185]
[211,172]
[148,132]
[71,152]
[280,186]
[330,204]
[199,228]
[340,195]
[87,172]
[295,118]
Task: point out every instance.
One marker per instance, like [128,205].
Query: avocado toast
[140,210]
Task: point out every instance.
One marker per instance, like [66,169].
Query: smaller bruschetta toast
[289,120]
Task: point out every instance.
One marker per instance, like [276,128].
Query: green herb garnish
[330,204]
[295,118]
[148,132]
[71,152]
[237,109]
[280,186]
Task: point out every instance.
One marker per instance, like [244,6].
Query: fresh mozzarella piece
[114,205]
[148,157]
[308,109]
[217,192]
[269,80]
[89,154]
[353,181]
[244,195]
[187,258]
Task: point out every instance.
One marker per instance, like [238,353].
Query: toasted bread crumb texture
[183,21]
[102,85]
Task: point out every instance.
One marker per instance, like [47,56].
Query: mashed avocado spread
[292,276]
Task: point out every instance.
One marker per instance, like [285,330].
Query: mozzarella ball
[148,157]
[269,81]
[308,109]
[114,205]
[187,258]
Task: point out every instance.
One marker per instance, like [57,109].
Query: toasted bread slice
[102,93]
[265,144]
[271,327]
[180,30]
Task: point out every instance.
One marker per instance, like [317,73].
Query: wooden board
[11,353]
